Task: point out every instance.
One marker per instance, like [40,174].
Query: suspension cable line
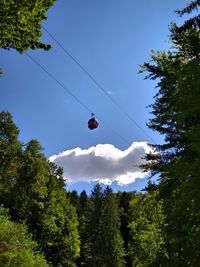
[80,102]
[98,84]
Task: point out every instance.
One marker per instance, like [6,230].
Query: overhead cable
[98,84]
[78,100]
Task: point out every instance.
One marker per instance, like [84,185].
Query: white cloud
[103,162]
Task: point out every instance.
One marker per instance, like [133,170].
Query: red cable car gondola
[92,123]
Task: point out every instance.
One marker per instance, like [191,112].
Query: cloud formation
[103,162]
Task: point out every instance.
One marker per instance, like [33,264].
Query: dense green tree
[146,244]
[74,199]
[31,186]
[21,22]
[176,115]
[124,200]
[55,221]
[33,189]
[62,243]
[82,211]
[93,246]
[83,203]
[43,203]
[112,243]
[104,244]
[17,249]
[10,154]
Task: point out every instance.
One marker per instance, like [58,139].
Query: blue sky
[110,39]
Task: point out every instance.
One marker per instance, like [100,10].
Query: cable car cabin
[93,123]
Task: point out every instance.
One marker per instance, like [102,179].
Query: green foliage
[33,189]
[60,238]
[124,200]
[104,244]
[16,246]
[10,153]
[146,242]
[50,217]
[193,22]
[113,246]
[21,22]
[176,116]
[93,247]
[31,185]
[82,204]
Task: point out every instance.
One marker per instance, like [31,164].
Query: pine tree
[176,115]
[93,247]
[82,211]
[113,246]
[193,22]
[124,200]
[104,244]
[10,154]
[74,199]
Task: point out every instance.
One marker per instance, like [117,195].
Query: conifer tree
[33,189]
[112,243]
[10,154]
[74,199]
[124,200]
[82,211]
[176,115]
[104,244]
[93,246]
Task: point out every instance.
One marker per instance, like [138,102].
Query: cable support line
[78,100]
[98,85]
[56,80]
